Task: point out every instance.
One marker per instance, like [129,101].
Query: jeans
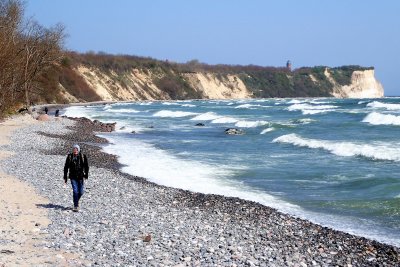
[78,189]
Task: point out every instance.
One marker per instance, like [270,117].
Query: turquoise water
[332,161]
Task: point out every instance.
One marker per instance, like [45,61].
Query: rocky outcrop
[363,85]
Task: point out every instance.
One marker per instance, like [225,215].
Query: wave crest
[344,149]
[388,106]
[376,118]
[173,114]
[250,124]
[308,109]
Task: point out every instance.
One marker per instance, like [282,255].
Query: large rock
[43,117]
[234,131]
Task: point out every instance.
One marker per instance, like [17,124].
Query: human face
[75,151]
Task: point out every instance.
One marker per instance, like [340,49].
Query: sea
[335,162]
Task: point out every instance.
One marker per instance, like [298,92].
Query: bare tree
[10,21]
[42,49]
[27,50]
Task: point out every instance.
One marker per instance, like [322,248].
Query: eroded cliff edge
[118,78]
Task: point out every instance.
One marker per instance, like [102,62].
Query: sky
[258,32]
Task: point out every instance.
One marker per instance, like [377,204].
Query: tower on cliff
[289,65]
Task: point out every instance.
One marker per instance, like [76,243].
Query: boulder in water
[200,124]
[234,131]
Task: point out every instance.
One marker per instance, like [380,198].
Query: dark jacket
[77,167]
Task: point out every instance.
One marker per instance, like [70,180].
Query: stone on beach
[43,117]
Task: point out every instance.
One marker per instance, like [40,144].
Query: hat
[77,147]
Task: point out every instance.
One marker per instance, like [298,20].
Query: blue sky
[266,33]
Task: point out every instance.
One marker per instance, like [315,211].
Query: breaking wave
[267,130]
[344,149]
[308,109]
[209,116]
[123,110]
[224,120]
[388,106]
[248,106]
[376,118]
[250,124]
[173,114]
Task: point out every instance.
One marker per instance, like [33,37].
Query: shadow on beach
[53,206]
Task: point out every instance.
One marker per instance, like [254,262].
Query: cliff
[103,77]
[363,85]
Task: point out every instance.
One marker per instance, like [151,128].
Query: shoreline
[193,228]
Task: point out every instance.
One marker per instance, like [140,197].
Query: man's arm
[86,166]
[66,166]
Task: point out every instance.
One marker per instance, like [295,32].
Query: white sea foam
[188,105]
[380,105]
[296,101]
[206,117]
[173,114]
[170,103]
[224,120]
[376,118]
[270,129]
[145,103]
[345,149]
[172,171]
[308,109]
[107,107]
[123,110]
[250,124]
[248,106]
[76,112]
[318,102]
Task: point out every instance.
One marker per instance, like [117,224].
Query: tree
[10,20]
[42,49]
[27,49]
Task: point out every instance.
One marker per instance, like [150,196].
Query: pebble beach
[125,220]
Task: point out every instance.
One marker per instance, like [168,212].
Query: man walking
[77,166]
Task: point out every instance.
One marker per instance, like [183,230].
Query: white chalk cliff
[139,84]
[363,85]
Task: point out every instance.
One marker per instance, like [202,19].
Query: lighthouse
[289,65]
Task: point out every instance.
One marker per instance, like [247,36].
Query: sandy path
[22,222]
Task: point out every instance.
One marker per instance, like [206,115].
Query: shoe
[75,209]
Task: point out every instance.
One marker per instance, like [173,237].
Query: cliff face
[140,85]
[111,78]
[133,85]
[213,86]
[363,85]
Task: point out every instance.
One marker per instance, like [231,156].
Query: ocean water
[332,161]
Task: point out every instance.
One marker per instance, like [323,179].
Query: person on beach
[46,109]
[78,167]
